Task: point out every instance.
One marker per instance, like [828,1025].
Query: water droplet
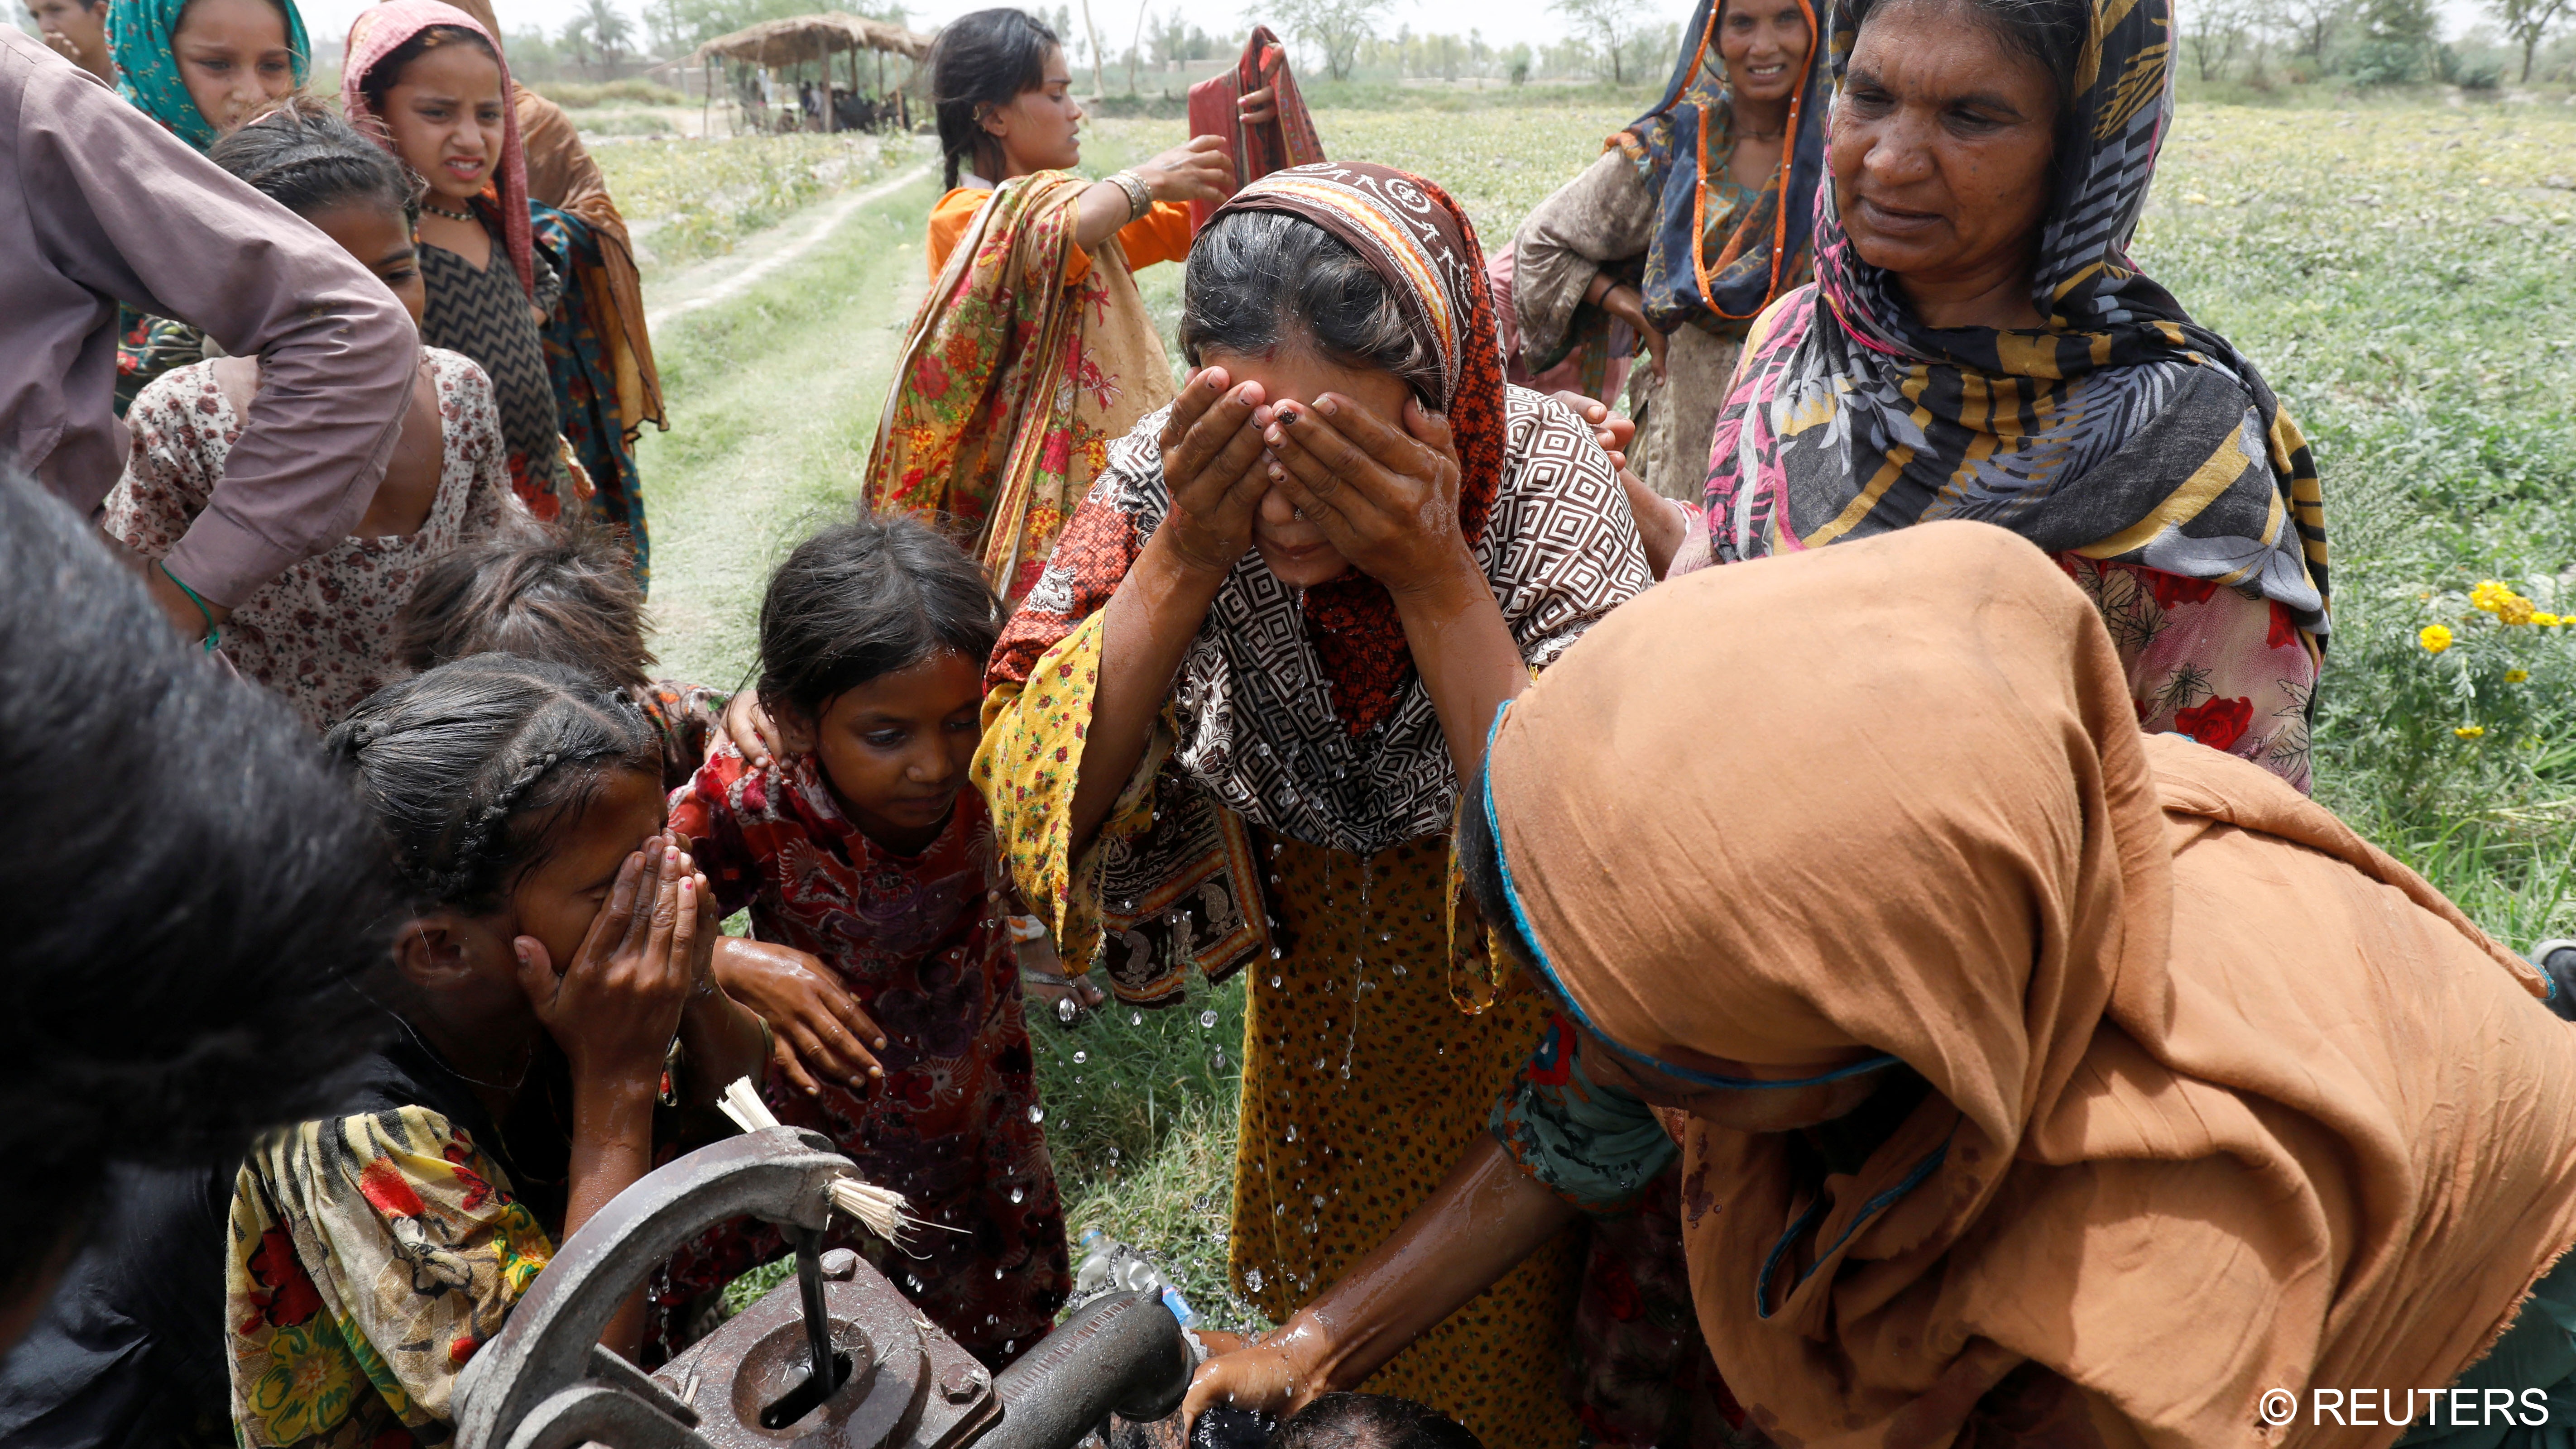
[1218,1061]
[1135,1018]
[1252,1279]
[1274,955]
[1064,1009]
[1274,980]
[1080,1057]
[1017,1194]
[997,1277]
[1292,1131]
[1207,1019]
[1113,1154]
[1036,1112]
[1010,1345]
[911,1284]
[1399,969]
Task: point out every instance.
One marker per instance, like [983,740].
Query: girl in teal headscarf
[200,68]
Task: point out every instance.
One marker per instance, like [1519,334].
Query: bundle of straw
[878,1209]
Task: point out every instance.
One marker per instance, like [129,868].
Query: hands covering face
[1381,492]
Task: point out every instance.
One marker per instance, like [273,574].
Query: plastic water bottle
[1110,1266]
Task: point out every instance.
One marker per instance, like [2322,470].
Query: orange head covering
[2223,1099]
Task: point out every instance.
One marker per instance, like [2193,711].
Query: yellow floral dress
[369,1256]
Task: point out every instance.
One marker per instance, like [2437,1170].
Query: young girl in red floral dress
[865,845]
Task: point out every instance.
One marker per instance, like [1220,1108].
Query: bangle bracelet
[1140,197]
[214,635]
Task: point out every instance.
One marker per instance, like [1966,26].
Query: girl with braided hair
[322,632]
[552,987]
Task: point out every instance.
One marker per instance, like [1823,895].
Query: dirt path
[721,279]
[776,360]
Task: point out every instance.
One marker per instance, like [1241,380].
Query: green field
[2406,276]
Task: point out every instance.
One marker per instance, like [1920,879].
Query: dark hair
[302,156]
[385,74]
[984,58]
[1261,280]
[2048,33]
[473,766]
[1371,1421]
[565,593]
[864,598]
[195,892]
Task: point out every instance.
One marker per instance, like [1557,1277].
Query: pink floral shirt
[320,633]
[2206,661]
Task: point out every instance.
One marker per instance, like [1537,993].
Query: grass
[2401,274]
[690,199]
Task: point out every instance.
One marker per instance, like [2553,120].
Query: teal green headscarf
[147,73]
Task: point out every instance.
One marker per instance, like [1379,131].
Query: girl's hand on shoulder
[615,1007]
[1386,496]
[748,727]
[1212,465]
[1198,169]
[818,1028]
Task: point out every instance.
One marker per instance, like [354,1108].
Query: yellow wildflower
[2546,621]
[2489,595]
[2517,610]
[2434,638]
[2516,676]
[2470,732]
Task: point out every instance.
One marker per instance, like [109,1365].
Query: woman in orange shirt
[982,427]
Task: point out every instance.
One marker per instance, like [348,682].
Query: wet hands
[1196,170]
[615,1008]
[1279,1374]
[819,1029]
[1213,463]
[1385,497]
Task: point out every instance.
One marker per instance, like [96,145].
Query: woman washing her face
[1227,724]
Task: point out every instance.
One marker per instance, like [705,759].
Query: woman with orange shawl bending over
[1227,726]
[2033,1079]
[1032,351]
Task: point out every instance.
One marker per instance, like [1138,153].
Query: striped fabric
[2123,431]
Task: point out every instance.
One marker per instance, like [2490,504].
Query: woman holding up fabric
[1009,395]
[1978,344]
[1689,224]
[1227,724]
[2128,1093]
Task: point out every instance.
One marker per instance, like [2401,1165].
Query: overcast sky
[1502,22]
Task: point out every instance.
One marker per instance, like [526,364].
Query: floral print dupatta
[1014,381]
